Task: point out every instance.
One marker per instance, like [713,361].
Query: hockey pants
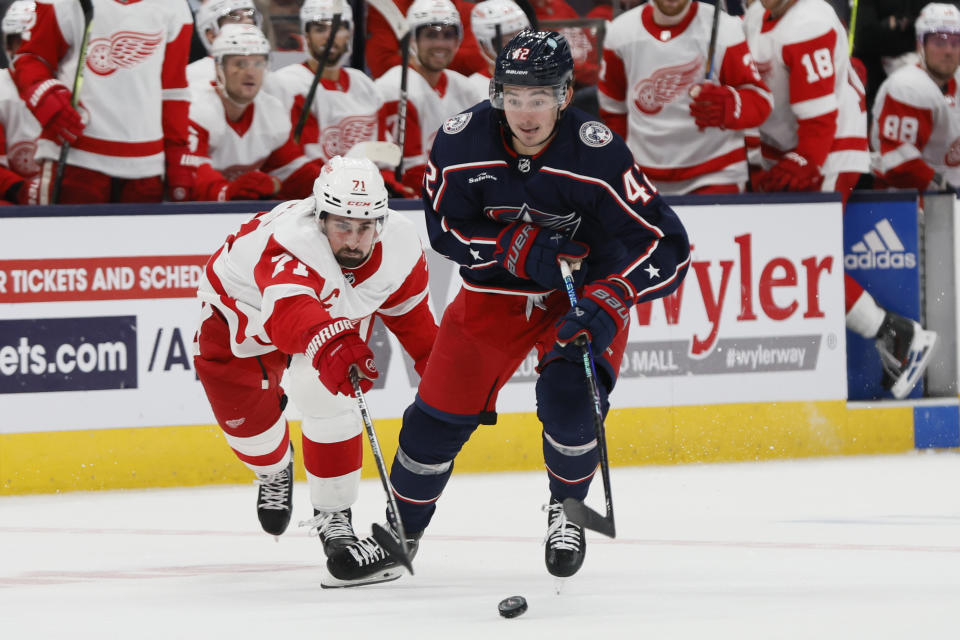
[248,400]
[483,339]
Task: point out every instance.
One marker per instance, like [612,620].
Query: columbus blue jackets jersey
[585,184]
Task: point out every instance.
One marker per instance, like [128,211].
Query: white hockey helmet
[211,12]
[351,187]
[20,17]
[937,17]
[486,16]
[424,13]
[323,11]
[239,40]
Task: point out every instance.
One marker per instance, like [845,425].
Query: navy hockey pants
[483,339]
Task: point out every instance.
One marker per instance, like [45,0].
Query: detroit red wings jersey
[803,58]
[343,113]
[283,253]
[20,130]
[648,72]
[134,71]
[201,72]
[916,129]
[427,110]
[259,141]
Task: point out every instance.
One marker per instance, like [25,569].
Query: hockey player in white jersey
[302,284]
[346,109]
[212,15]
[916,119]
[19,130]
[686,134]
[815,140]
[434,92]
[494,23]
[132,139]
[241,135]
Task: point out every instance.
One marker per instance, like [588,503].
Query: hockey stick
[87,7]
[577,511]
[321,63]
[853,27]
[712,49]
[402,104]
[398,551]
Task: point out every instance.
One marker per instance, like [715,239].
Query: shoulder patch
[595,134]
[457,123]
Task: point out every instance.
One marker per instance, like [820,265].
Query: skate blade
[329,581]
[921,348]
[558,584]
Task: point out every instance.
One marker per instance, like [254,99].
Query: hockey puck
[512,607]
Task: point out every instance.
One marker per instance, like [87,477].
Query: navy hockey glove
[531,252]
[336,348]
[599,315]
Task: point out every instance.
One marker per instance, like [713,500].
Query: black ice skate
[275,499]
[365,562]
[905,349]
[565,543]
[334,528]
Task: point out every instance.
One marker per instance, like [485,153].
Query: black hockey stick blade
[580,514]
[392,546]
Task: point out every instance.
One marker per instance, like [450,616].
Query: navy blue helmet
[533,59]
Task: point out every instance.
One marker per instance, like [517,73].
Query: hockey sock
[864,316]
[423,464]
[569,438]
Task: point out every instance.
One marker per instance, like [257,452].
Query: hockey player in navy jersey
[513,186]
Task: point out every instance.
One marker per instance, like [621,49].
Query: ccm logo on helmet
[359,203]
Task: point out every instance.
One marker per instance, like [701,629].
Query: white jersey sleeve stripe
[404,306]
[815,107]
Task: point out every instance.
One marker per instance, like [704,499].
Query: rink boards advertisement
[99,316]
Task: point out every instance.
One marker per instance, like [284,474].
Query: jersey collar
[369,267]
[665,34]
[242,125]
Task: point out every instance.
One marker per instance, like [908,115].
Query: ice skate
[905,349]
[334,528]
[275,499]
[365,562]
[565,543]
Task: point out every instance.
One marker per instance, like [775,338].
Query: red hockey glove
[50,103]
[529,251]
[792,173]
[252,185]
[397,189]
[181,174]
[598,317]
[714,106]
[336,348]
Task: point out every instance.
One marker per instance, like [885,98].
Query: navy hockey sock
[423,464]
[569,439]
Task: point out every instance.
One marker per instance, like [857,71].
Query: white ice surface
[865,547]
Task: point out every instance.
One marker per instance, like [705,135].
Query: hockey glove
[50,103]
[598,317]
[336,348]
[531,252]
[714,106]
[181,174]
[252,185]
[792,173]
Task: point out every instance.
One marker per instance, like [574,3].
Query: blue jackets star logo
[566,224]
